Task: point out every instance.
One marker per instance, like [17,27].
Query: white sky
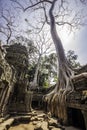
[76,42]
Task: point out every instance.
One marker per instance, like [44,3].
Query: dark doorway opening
[36,105]
[76,118]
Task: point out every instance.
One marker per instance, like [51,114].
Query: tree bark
[34,82]
[64,86]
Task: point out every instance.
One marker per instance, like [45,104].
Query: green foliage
[72,59]
[31,71]
[42,78]
[47,70]
[48,63]
[46,84]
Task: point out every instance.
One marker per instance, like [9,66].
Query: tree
[49,66]
[7,25]
[61,16]
[72,59]
[43,48]
[47,71]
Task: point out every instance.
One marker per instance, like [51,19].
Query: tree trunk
[64,86]
[34,82]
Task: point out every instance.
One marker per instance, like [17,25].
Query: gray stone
[56,129]
[53,122]
[38,126]
[44,125]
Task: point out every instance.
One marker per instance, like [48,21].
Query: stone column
[28,100]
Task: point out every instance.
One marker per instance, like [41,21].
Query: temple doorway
[76,118]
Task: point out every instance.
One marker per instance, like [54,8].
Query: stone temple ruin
[13,70]
[16,98]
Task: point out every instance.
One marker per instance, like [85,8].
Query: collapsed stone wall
[7,80]
[13,80]
[76,99]
[17,56]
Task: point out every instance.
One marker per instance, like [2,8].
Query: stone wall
[7,80]
[17,56]
[14,95]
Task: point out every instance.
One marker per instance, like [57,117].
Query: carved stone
[14,95]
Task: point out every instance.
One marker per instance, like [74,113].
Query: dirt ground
[31,126]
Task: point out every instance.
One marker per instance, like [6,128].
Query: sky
[76,41]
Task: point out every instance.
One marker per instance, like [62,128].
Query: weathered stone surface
[34,122]
[50,127]
[34,118]
[82,69]
[7,80]
[53,122]
[41,115]
[34,113]
[40,119]
[2,128]
[17,56]
[56,129]
[80,81]
[6,124]
[44,125]
[38,126]
[41,126]
[23,127]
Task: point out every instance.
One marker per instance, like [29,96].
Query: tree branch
[33,4]
[8,24]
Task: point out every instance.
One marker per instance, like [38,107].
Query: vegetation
[72,59]
[56,12]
